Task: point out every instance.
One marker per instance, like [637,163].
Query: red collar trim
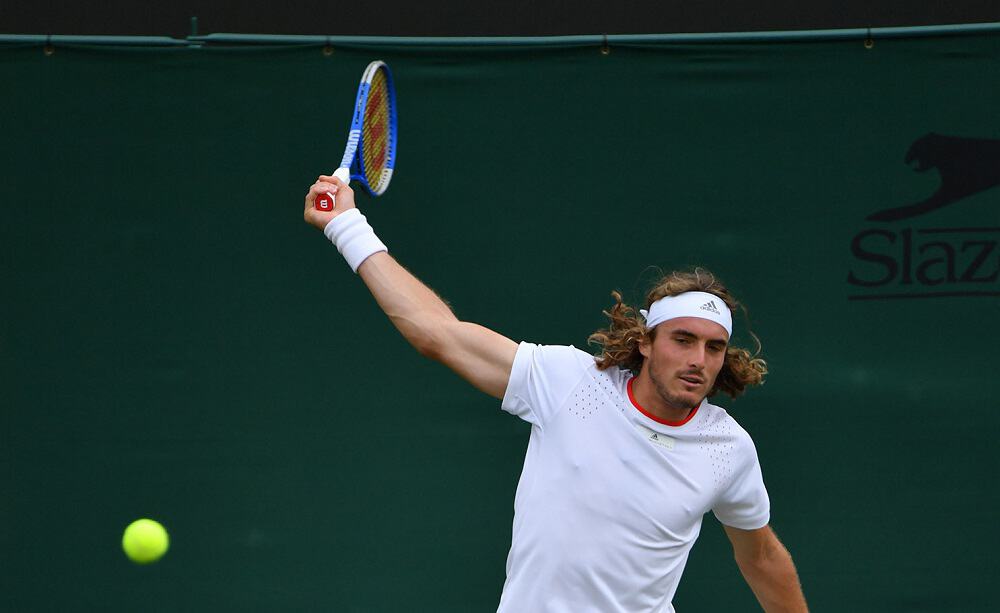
[658,420]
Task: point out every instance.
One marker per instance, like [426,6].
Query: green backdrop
[176,342]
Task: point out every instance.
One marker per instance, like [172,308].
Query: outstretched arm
[479,355]
[768,569]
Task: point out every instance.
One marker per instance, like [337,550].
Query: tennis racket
[372,135]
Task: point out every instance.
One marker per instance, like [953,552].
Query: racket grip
[326,202]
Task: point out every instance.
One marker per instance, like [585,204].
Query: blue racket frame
[355,139]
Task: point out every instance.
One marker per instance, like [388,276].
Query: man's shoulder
[556,356]
[719,418]
[565,364]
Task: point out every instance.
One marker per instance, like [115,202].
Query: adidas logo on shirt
[710,306]
[661,440]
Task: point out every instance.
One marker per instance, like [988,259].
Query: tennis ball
[145,541]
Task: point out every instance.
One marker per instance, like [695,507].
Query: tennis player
[620,468]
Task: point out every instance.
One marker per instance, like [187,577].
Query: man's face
[684,359]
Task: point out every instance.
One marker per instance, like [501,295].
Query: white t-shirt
[610,499]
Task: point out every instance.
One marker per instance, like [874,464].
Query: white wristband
[353,237]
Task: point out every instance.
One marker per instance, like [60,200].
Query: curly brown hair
[619,342]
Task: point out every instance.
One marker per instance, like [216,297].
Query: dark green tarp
[176,342]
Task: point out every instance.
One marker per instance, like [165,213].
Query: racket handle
[326,202]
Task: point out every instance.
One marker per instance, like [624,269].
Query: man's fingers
[318,189]
[330,179]
[331,187]
[321,187]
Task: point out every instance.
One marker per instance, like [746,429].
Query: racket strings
[375,131]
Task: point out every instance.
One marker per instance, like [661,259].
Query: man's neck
[650,400]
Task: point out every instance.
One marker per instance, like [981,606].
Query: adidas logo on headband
[689,304]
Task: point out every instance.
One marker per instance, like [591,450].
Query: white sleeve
[542,378]
[745,504]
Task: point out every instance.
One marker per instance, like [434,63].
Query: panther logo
[967,166]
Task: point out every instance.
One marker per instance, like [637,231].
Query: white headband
[689,304]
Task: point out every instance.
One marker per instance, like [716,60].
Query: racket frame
[357,165]
[352,165]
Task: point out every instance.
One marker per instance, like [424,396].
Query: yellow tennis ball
[145,541]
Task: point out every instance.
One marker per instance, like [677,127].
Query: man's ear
[646,345]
